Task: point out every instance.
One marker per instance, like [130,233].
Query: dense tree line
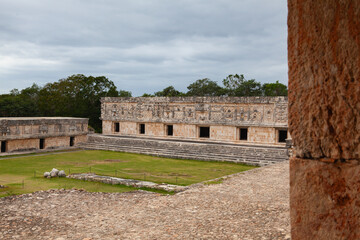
[79,95]
[233,85]
[75,96]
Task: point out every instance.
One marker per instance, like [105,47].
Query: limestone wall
[24,134]
[21,128]
[262,116]
[185,130]
[22,145]
[324,118]
[247,111]
[80,139]
[223,132]
[54,142]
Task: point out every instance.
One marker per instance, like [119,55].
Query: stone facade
[324,118]
[29,134]
[245,120]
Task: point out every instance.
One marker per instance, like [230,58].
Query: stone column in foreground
[324,118]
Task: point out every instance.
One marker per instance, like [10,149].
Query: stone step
[126,141]
[163,150]
[188,154]
[174,154]
[146,148]
[255,155]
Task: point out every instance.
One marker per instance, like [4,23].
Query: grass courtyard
[24,174]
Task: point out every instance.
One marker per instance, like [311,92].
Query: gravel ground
[249,205]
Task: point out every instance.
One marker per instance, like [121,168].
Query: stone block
[324,78]
[325,199]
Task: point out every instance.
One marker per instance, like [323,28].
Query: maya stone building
[250,130]
[35,133]
[239,120]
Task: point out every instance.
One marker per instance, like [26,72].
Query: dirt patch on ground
[179,175]
[115,160]
[95,162]
[109,161]
[251,205]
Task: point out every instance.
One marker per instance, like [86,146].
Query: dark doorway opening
[117,127]
[142,128]
[204,132]
[282,135]
[72,141]
[3,146]
[243,133]
[169,130]
[42,143]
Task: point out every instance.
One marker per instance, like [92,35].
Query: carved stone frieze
[259,111]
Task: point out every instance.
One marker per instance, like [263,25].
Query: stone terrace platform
[260,155]
[249,205]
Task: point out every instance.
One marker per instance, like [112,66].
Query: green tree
[169,92]
[22,103]
[275,89]
[14,92]
[237,85]
[147,95]
[11,105]
[30,98]
[123,93]
[204,87]
[76,96]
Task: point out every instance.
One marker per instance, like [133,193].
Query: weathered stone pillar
[324,118]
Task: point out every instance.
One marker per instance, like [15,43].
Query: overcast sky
[141,45]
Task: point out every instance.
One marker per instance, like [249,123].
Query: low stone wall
[127,182]
[22,145]
[208,151]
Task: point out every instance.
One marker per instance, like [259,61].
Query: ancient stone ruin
[251,130]
[227,119]
[37,133]
[324,118]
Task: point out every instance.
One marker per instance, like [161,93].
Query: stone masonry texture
[41,127]
[324,78]
[263,117]
[233,111]
[24,133]
[324,118]
[325,199]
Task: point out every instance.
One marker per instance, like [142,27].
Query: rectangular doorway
[72,141]
[42,143]
[282,135]
[142,128]
[204,132]
[243,134]
[170,130]
[3,146]
[117,127]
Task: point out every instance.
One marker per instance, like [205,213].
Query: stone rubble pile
[54,173]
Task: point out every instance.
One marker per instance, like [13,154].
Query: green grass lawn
[29,169]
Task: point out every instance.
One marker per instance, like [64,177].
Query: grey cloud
[143,45]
